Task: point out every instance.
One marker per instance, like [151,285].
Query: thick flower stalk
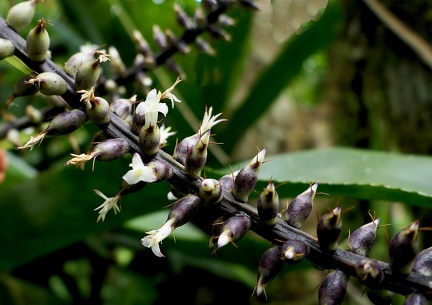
[247,177]
[403,249]
[329,230]
[268,205]
[180,213]
[300,207]
[269,266]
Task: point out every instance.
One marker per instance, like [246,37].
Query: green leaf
[354,173]
[277,76]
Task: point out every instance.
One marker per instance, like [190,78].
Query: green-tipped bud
[403,249]
[333,289]
[380,296]
[149,140]
[183,148]
[74,62]
[106,151]
[97,108]
[233,229]
[329,230]
[162,170]
[268,205]
[7,48]
[180,213]
[247,177]
[63,123]
[423,262]
[38,42]
[416,299]
[211,191]
[197,157]
[20,15]
[269,266]
[361,240]
[294,251]
[22,88]
[49,83]
[369,272]
[300,207]
[88,73]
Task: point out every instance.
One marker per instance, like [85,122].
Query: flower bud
[22,88]
[403,249]
[97,108]
[88,73]
[180,213]
[247,177]
[416,298]
[204,46]
[211,191]
[149,140]
[122,107]
[182,47]
[270,264]
[423,262]
[106,151]
[20,15]
[380,296]
[159,37]
[268,205]
[183,19]
[162,170]
[63,123]
[333,289]
[369,272]
[362,239]
[74,62]
[141,45]
[7,48]
[294,251]
[233,229]
[197,157]
[38,42]
[49,83]
[227,181]
[300,207]
[187,144]
[329,230]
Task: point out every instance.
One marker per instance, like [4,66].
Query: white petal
[142,108]
[163,108]
[147,241]
[132,177]
[223,239]
[152,97]
[136,161]
[156,250]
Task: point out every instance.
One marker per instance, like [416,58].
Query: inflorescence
[140,132]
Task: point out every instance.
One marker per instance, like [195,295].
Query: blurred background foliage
[302,78]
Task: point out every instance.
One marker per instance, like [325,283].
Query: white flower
[151,107]
[139,172]
[110,203]
[155,237]
[165,133]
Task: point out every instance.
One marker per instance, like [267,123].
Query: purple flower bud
[149,140]
[362,239]
[204,46]
[211,191]
[183,19]
[333,289]
[197,157]
[107,150]
[227,181]
[159,37]
[161,169]
[63,123]
[247,177]
[403,249]
[300,207]
[416,299]
[141,45]
[369,272]
[122,107]
[329,230]
[269,266]
[380,296]
[233,229]
[294,251]
[423,262]
[268,205]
